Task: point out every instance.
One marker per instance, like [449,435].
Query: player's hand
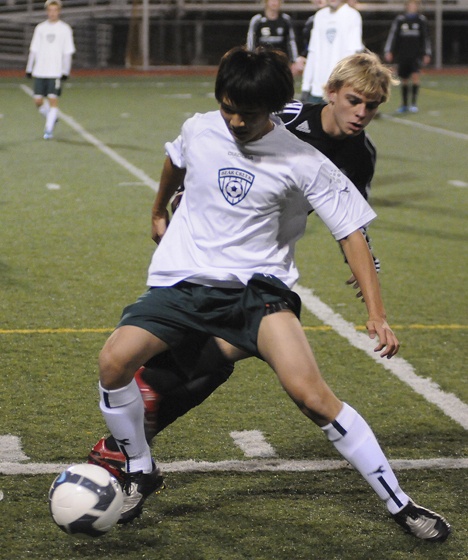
[28,75]
[388,344]
[388,57]
[352,281]
[297,67]
[159,226]
[64,77]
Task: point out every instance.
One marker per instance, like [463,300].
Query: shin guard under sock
[51,119]
[124,414]
[354,439]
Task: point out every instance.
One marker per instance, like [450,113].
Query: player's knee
[114,373]
[321,406]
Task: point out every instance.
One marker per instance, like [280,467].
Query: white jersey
[51,44]
[335,35]
[245,206]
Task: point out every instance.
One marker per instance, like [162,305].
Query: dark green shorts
[171,313]
[47,86]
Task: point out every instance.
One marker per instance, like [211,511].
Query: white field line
[426,127]
[254,465]
[253,443]
[135,171]
[451,405]
[13,461]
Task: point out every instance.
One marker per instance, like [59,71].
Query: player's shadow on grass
[8,278]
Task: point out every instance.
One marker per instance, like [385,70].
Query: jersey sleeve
[35,41]
[252,32]
[176,150]
[69,47]
[292,45]
[338,202]
[392,36]
[354,39]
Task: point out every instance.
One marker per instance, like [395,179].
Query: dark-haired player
[226,270]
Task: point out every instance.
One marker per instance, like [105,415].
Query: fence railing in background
[187,6]
[197,31]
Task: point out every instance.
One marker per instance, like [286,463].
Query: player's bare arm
[362,266]
[171,178]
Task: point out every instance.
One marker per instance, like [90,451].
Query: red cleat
[112,461]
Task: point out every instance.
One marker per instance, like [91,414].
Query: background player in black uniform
[274,28]
[408,44]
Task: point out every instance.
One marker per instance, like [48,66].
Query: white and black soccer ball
[85,499]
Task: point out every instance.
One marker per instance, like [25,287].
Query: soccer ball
[85,499]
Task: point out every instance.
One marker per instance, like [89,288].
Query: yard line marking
[11,449]
[457,183]
[56,331]
[257,465]
[132,169]
[12,462]
[426,127]
[451,405]
[253,443]
[323,328]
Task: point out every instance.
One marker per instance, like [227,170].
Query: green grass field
[75,245]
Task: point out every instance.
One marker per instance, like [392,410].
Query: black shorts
[233,314]
[47,86]
[408,66]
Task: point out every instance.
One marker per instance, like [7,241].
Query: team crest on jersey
[50,37]
[234,184]
[330,34]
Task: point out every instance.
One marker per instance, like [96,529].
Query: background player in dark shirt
[273,28]
[409,45]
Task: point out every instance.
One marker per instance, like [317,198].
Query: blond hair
[53,2]
[365,73]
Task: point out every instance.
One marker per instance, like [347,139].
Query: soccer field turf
[75,245]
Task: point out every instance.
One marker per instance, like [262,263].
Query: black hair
[260,78]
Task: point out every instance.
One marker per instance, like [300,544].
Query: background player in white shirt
[49,62]
[336,33]
[242,172]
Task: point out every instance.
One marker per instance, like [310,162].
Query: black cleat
[422,523]
[136,488]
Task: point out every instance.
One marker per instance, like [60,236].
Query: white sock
[51,119]
[44,109]
[354,439]
[123,412]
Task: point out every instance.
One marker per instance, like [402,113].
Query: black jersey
[355,156]
[277,33]
[306,31]
[408,37]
